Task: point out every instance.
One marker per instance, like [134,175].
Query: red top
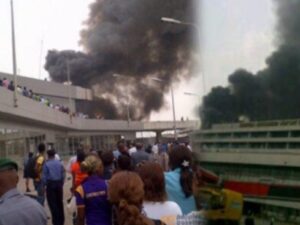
[79,176]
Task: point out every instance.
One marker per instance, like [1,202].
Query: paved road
[67,194]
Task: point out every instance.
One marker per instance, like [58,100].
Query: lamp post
[173,105]
[127,93]
[175,21]
[69,90]
[196,27]
[14,52]
[191,94]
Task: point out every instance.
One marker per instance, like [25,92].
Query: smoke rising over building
[126,37]
[272,93]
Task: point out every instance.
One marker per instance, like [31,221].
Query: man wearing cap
[16,208]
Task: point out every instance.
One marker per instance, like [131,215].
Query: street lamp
[170,20]
[173,105]
[195,26]
[192,94]
[127,93]
[14,52]
[175,21]
[69,90]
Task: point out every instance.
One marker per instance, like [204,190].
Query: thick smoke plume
[273,93]
[127,37]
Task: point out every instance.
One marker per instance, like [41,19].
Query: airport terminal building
[260,160]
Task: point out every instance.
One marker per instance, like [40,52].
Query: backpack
[30,167]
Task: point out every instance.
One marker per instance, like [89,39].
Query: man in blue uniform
[16,208]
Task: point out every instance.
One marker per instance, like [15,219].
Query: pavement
[67,195]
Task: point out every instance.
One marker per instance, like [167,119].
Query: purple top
[92,194]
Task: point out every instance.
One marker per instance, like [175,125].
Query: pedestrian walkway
[67,194]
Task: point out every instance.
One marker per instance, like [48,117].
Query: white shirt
[157,210]
[57,157]
[132,150]
[155,149]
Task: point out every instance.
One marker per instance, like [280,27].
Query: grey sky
[236,33]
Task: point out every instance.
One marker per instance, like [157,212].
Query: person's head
[154,181]
[92,165]
[41,148]
[181,158]
[51,154]
[8,175]
[139,146]
[30,154]
[126,192]
[121,147]
[149,149]
[107,158]
[80,155]
[124,162]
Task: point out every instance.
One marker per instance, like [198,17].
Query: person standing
[53,179]
[107,158]
[140,155]
[91,196]
[39,162]
[126,193]
[121,149]
[179,181]
[26,176]
[16,208]
[155,203]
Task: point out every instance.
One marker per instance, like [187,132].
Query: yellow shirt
[39,167]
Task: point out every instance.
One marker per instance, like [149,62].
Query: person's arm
[45,175]
[79,194]
[80,215]
[63,173]
[73,182]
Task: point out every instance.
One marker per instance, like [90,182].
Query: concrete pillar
[158,135]
[50,139]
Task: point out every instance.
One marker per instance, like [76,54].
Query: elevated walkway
[30,114]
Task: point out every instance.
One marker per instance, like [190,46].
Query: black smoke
[127,37]
[274,92]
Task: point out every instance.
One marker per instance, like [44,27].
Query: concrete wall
[48,88]
[31,113]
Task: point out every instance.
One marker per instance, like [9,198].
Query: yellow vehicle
[220,206]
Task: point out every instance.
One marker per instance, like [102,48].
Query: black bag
[31,167]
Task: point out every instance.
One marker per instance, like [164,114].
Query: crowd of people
[24,91]
[127,186]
